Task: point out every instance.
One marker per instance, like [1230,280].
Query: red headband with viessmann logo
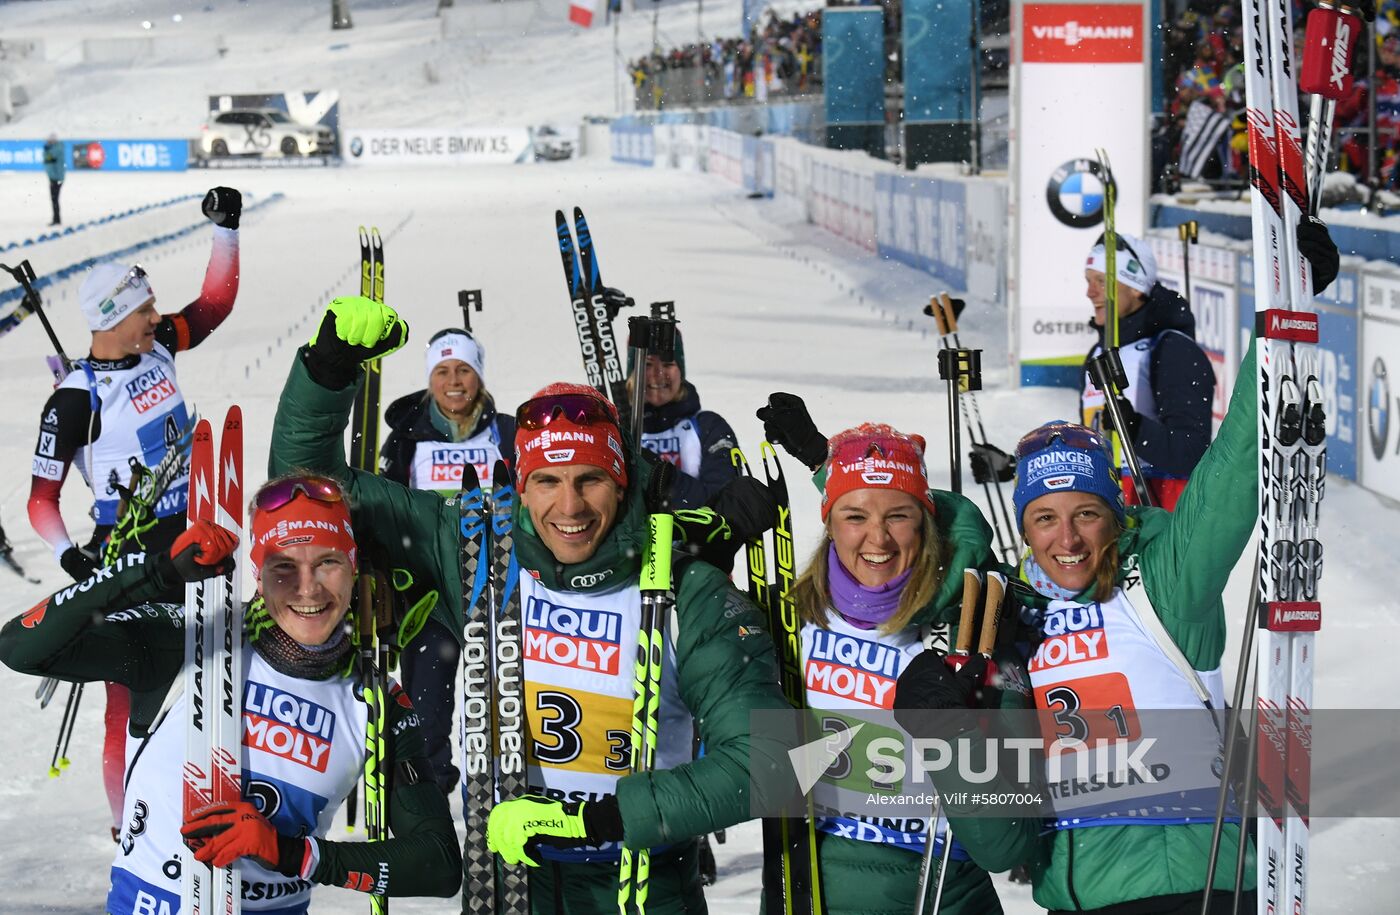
[568,424]
[875,456]
[299,522]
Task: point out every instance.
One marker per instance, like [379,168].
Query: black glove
[223,206]
[78,563]
[355,329]
[706,535]
[204,550]
[1131,418]
[988,463]
[786,422]
[616,300]
[1315,243]
[748,505]
[932,700]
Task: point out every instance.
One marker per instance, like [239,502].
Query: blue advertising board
[853,63]
[100,155]
[922,222]
[633,143]
[938,60]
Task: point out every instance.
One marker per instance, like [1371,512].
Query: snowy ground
[400,66]
[767,303]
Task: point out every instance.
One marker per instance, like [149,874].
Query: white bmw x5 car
[263,132]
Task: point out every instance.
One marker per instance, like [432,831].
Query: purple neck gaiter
[862,607]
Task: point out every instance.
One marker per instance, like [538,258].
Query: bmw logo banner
[1084,80]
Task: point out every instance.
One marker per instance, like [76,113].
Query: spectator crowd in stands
[783,57]
[1204,71]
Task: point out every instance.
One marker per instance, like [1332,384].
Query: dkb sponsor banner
[1064,51]
[937,61]
[439,146]
[129,155]
[853,62]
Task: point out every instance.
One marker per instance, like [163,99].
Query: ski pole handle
[991,613]
[468,300]
[971,598]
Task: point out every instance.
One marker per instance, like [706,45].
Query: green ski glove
[517,826]
[354,330]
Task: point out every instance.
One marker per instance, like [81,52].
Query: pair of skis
[493,688]
[214,662]
[364,413]
[364,417]
[602,360]
[791,874]
[1292,437]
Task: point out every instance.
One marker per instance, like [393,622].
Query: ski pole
[1326,72]
[1187,232]
[926,865]
[1110,378]
[24,275]
[638,338]
[468,300]
[962,653]
[962,369]
[1232,721]
[657,599]
[945,311]
[65,730]
[372,591]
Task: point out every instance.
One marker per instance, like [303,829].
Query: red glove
[204,550]
[222,834]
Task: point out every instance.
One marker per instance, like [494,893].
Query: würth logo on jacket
[587,640]
[287,726]
[852,668]
[150,389]
[1072,635]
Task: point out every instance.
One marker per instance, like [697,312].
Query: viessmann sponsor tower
[1080,81]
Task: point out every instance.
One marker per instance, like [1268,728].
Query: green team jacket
[1185,558]
[874,879]
[110,628]
[724,656]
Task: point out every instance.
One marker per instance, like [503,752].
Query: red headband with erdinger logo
[300,522]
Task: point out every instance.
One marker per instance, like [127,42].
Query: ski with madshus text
[493,688]
[213,671]
[1292,458]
